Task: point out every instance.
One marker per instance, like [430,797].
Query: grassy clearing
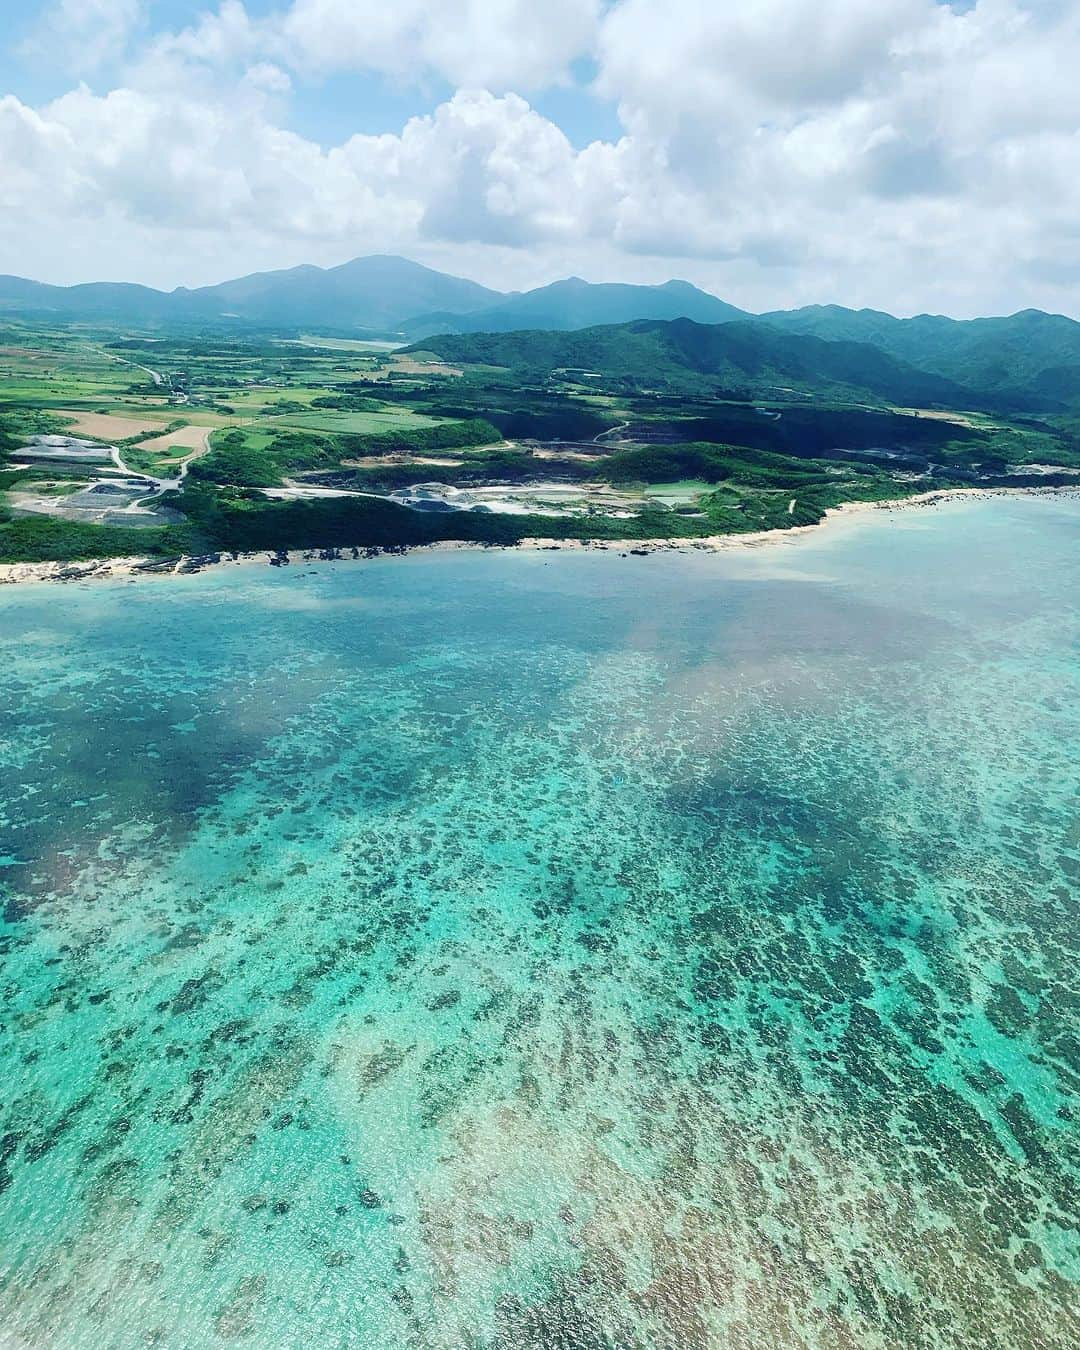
[359,423]
[688,490]
[157,466]
[256,438]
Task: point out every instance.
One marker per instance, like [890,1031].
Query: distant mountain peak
[574,303]
[386,262]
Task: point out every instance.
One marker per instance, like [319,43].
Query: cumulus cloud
[839,136]
[743,58]
[497,44]
[84,35]
[906,154]
[501,44]
[480,168]
[218,38]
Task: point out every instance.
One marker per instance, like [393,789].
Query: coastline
[138,568]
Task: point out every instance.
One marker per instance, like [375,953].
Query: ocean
[549,949]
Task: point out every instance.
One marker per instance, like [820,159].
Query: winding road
[611,431]
[159,485]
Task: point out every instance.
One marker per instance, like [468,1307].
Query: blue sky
[328,109]
[905,155]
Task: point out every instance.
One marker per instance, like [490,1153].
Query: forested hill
[682,355]
[1027,356]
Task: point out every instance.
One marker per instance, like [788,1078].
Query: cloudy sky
[911,155]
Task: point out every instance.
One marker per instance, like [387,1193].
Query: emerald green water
[549,949]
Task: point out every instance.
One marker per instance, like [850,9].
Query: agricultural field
[363,423]
[108,426]
[184,439]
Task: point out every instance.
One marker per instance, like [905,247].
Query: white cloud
[501,44]
[220,37]
[84,35]
[903,154]
[268,78]
[498,44]
[896,145]
[740,59]
[30,143]
[481,168]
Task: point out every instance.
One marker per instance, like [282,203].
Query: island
[185,439]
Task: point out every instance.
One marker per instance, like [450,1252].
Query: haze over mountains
[1027,360]
[376,293]
[574,303]
[380,294]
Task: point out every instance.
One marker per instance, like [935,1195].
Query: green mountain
[94,300]
[1030,357]
[574,303]
[684,356]
[376,293]
[380,294]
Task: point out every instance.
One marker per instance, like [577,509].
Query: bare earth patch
[379,461]
[105,427]
[405,365]
[565,454]
[413,365]
[188,438]
[940,415]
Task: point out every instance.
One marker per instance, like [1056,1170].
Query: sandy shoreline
[136,568]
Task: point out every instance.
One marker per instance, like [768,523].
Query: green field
[688,490]
[359,423]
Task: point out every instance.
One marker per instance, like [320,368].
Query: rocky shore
[134,568]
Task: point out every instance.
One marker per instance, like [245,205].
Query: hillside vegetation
[242,460]
[1029,359]
[684,356]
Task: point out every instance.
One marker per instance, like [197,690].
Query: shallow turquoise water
[549,949]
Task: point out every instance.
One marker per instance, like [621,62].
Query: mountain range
[375,293]
[570,304]
[1026,360]
[378,294]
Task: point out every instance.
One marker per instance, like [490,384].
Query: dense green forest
[1029,359]
[689,357]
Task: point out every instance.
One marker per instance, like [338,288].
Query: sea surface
[549,949]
